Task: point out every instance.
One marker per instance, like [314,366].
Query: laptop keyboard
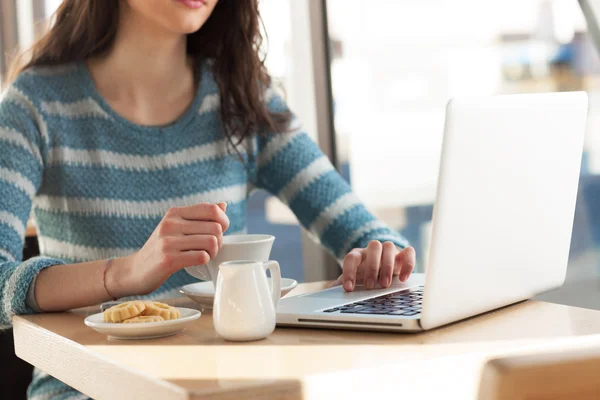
[403,302]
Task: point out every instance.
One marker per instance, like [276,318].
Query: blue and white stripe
[6,256]
[305,177]
[14,95]
[331,213]
[137,209]
[362,231]
[15,138]
[69,251]
[133,162]
[10,288]
[79,109]
[210,103]
[274,147]
[15,178]
[13,221]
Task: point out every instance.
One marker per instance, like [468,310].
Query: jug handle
[275,281]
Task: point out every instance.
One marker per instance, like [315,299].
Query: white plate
[204,292]
[145,330]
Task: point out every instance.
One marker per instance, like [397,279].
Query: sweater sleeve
[22,153]
[292,167]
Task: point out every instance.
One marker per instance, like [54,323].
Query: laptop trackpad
[338,292]
[333,293]
[359,293]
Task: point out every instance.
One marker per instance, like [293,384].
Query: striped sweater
[99,184]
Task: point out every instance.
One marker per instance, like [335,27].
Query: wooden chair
[563,375]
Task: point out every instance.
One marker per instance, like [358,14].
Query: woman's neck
[146,67]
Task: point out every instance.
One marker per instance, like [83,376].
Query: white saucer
[146,330]
[204,292]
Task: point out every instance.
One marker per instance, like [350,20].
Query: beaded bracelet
[104,277]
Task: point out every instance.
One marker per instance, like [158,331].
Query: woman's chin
[187,25]
[186,30]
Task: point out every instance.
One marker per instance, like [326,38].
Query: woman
[137,130]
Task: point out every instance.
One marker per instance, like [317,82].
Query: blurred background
[395,64]
[392,66]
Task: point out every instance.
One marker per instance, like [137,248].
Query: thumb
[223,206]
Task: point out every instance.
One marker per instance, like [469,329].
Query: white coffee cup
[235,247]
[245,301]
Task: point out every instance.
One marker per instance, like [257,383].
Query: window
[395,65]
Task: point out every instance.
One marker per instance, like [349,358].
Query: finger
[386,268]
[203,228]
[208,243]
[202,212]
[180,227]
[371,265]
[189,259]
[351,263]
[405,263]
[223,206]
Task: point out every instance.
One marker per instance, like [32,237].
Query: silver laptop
[502,220]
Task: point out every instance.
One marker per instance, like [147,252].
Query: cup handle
[275,282]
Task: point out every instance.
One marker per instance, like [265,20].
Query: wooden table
[296,363]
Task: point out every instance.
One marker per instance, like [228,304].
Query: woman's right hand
[185,237]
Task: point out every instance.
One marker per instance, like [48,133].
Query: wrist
[118,280]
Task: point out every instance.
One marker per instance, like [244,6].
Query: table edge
[42,348]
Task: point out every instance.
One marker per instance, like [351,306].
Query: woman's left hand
[377,262]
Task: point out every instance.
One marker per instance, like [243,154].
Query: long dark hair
[231,37]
